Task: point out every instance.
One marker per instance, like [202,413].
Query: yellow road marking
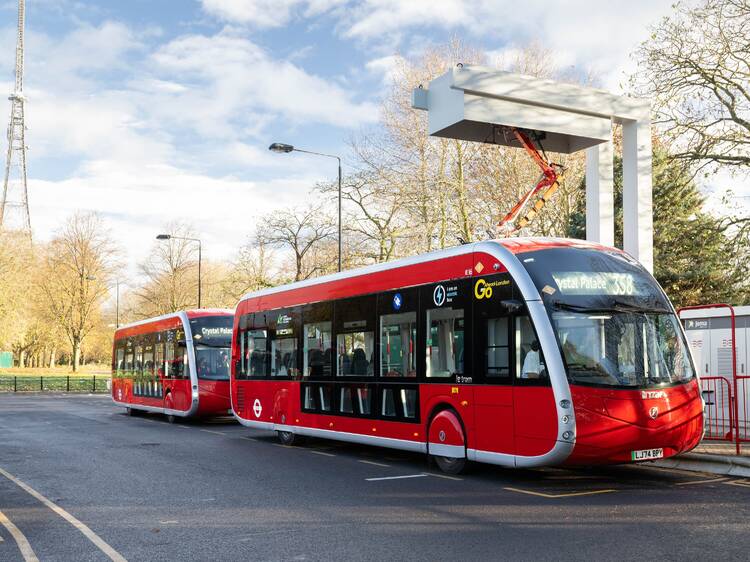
[323,453]
[552,496]
[82,527]
[375,463]
[743,483]
[704,481]
[23,544]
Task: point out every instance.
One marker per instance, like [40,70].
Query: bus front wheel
[450,465]
[287,437]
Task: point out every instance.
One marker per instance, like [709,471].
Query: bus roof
[448,263]
[196,313]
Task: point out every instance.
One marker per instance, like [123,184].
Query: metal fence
[55,383]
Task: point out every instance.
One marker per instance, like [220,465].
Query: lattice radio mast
[14,208]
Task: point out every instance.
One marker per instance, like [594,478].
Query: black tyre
[170,418]
[131,411]
[287,437]
[450,465]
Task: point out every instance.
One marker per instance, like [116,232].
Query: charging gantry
[481,104]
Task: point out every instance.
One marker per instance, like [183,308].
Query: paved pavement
[79,478]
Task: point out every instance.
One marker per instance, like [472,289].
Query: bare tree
[77,268]
[696,66]
[299,231]
[253,270]
[376,224]
[170,273]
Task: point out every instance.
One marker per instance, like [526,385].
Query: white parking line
[23,544]
[214,432]
[323,453]
[422,475]
[375,463]
[82,527]
[444,476]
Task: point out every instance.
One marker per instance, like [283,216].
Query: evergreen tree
[695,255]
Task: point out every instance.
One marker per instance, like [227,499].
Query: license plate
[647,454]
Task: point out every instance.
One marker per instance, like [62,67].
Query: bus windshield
[212,340]
[613,322]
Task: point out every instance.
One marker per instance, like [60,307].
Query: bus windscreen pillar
[482,104]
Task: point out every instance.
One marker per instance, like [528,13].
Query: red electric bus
[516,352]
[176,364]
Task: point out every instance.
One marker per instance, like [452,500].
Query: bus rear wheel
[287,437]
[450,465]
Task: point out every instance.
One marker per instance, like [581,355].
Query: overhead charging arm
[548,184]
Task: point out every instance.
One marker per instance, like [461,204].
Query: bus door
[534,411]
[493,337]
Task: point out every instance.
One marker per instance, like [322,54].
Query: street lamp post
[282,148]
[117,298]
[169,237]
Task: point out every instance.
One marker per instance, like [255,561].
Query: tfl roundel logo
[438,295]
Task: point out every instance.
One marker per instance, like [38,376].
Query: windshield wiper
[617,306]
[214,345]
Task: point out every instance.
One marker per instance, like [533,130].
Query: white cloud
[223,210]
[226,77]
[592,36]
[373,18]
[265,13]
[385,67]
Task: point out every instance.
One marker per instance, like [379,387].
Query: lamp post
[117,299]
[282,148]
[172,236]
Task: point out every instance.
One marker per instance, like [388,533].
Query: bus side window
[128,368]
[257,346]
[149,387]
[530,366]
[492,343]
[169,360]
[120,361]
[355,337]
[179,365]
[446,307]
[138,370]
[317,344]
[397,312]
[284,331]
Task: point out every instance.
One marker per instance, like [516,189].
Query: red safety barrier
[740,429]
[718,421]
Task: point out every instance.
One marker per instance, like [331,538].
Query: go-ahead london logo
[483,289]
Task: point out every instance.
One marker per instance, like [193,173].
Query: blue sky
[151,111]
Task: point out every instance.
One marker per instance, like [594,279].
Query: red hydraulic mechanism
[547,185]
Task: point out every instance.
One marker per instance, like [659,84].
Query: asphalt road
[142,489]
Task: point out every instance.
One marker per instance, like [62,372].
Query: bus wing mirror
[512,305]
